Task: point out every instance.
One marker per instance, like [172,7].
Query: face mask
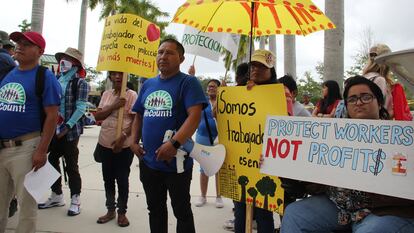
[65,66]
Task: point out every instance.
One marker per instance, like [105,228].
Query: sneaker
[229,225]
[74,206]
[219,202]
[201,201]
[53,201]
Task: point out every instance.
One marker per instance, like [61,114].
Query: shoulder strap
[74,87]
[40,86]
[208,128]
[40,81]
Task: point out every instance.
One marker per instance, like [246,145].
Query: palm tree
[289,42]
[38,10]
[82,26]
[334,42]
[144,8]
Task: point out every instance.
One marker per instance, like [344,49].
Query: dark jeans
[156,184]
[69,151]
[264,219]
[116,167]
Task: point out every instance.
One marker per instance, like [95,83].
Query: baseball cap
[33,37]
[265,57]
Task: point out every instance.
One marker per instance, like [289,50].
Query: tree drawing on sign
[266,187]
[243,181]
[253,193]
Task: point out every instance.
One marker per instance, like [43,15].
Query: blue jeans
[319,214]
[264,219]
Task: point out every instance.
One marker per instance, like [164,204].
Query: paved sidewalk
[208,219]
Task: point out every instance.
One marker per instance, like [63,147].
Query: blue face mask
[65,65]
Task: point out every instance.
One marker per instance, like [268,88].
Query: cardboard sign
[368,155]
[129,44]
[241,116]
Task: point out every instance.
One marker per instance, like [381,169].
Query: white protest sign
[209,45]
[369,155]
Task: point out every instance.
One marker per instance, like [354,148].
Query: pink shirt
[107,134]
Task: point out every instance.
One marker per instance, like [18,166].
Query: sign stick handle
[121,110]
[249,218]
[194,59]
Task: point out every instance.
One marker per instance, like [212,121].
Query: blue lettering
[334,160]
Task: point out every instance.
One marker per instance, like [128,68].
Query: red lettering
[287,148]
[295,148]
[304,14]
[248,8]
[271,146]
[272,9]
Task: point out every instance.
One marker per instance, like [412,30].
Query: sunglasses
[371,55]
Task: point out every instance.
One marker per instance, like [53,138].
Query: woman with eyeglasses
[344,209]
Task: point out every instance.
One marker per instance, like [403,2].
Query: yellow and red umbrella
[263,17]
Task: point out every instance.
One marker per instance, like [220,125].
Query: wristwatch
[175,143]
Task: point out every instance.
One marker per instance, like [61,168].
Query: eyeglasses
[365,98]
[372,55]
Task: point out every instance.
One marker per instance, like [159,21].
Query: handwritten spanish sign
[241,116]
[129,44]
[369,155]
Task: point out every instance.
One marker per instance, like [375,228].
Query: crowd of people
[44,116]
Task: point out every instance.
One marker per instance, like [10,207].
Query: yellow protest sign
[129,44]
[241,117]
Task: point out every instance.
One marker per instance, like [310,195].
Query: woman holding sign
[262,71]
[114,152]
[345,209]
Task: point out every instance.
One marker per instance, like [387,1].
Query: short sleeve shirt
[20,106]
[163,104]
[107,134]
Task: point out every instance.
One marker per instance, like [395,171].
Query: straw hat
[73,53]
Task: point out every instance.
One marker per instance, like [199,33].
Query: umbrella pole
[251,40]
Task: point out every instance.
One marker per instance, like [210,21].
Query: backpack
[39,87]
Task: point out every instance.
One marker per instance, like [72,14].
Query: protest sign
[129,44]
[241,116]
[368,155]
[209,45]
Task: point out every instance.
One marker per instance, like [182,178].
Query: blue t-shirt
[20,106]
[161,111]
[202,131]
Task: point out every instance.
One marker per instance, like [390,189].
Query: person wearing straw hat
[28,123]
[70,127]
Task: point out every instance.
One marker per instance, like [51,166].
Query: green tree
[308,84]
[243,181]
[91,74]
[144,8]
[266,187]
[25,26]
[253,193]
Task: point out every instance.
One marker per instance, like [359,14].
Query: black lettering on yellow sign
[235,108]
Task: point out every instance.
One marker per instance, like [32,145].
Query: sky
[387,19]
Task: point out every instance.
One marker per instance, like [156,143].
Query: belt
[17,141]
